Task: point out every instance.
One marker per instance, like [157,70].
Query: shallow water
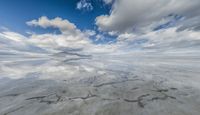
[99,85]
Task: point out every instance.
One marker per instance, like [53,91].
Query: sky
[14,14]
[99,26]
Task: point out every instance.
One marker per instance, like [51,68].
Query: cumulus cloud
[70,39]
[65,26]
[153,25]
[84,5]
[137,15]
[136,24]
[70,35]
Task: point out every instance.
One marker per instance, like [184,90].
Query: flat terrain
[152,85]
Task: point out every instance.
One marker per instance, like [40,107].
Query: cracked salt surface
[93,86]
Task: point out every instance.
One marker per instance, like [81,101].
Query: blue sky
[14,14]
[98,25]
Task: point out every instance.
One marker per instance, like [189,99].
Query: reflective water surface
[99,85]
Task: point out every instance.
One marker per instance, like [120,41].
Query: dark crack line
[10,95]
[135,88]
[139,100]
[172,88]
[89,80]
[14,110]
[163,92]
[59,98]
[158,98]
[38,97]
[83,98]
[109,99]
[90,95]
[128,100]
[50,102]
[42,99]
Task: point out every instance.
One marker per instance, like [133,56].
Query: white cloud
[162,40]
[190,24]
[136,15]
[99,37]
[126,36]
[108,1]
[84,5]
[122,23]
[70,39]
[53,41]
[64,25]
[90,32]
[13,36]
[15,43]
[131,24]
[170,39]
[134,21]
[70,36]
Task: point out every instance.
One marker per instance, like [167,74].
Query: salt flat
[120,85]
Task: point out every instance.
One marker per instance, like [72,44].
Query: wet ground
[99,86]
